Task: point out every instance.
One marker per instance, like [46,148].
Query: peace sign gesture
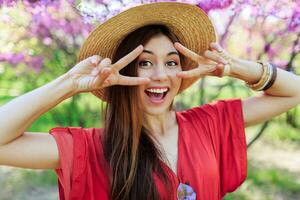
[95,73]
[214,62]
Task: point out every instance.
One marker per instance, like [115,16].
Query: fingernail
[106,62]
[94,60]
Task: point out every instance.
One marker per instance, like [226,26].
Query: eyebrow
[170,53]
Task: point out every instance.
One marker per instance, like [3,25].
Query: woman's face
[160,62]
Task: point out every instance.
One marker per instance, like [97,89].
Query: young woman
[146,150]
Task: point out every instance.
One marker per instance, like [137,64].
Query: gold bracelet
[263,79]
[273,77]
[268,79]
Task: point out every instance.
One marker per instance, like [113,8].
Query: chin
[156,111]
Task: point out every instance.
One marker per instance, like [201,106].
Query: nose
[159,73]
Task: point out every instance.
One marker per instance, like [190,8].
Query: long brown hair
[130,151]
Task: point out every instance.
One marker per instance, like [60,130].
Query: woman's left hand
[212,63]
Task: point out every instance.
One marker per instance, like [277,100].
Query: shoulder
[78,138]
[212,108]
[83,143]
[77,131]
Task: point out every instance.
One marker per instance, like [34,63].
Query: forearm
[17,115]
[285,85]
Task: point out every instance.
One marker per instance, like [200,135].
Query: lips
[157,95]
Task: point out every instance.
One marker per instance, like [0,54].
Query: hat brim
[188,22]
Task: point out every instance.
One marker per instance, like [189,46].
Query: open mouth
[157,95]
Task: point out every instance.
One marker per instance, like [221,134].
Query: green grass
[265,184]
[39,177]
[274,179]
[26,178]
[283,132]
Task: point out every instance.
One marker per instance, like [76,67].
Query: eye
[172,63]
[145,63]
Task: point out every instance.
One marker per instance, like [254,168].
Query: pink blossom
[36,63]
[12,58]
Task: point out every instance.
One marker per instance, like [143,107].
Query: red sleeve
[233,147]
[82,164]
[64,143]
[224,121]
[73,155]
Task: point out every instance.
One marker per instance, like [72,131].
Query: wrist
[248,71]
[66,85]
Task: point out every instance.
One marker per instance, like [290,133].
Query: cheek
[143,73]
[177,82]
[172,73]
[141,93]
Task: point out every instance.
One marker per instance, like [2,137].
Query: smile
[157,94]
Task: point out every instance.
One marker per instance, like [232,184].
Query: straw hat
[188,22]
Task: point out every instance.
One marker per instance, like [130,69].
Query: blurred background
[39,41]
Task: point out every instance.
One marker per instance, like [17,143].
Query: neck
[159,125]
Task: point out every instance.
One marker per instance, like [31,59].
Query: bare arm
[31,150]
[282,96]
[39,151]
[17,115]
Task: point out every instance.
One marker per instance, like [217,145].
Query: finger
[203,70]
[89,62]
[215,57]
[128,58]
[94,60]
[216,47]
[127,80]
[188,53]
[103,75]
[106,62]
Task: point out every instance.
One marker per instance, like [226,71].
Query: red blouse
[212,155]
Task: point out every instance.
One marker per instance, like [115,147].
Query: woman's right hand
[94,72]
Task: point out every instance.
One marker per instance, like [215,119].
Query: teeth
[157,90]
